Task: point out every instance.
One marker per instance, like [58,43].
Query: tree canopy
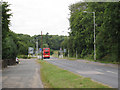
[82,30]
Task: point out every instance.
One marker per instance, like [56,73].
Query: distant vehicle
[46,53]
[17,60]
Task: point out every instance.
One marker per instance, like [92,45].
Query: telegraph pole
[37,47]
[94,37]
[41,45]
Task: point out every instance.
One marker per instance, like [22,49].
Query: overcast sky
[33,16]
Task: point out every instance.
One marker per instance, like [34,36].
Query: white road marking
[89,72]
[112,72]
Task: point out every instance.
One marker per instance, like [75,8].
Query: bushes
[24,56]
[51,52]
[81,35]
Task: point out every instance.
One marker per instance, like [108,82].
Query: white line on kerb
[112,72]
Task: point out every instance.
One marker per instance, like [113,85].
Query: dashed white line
[112,72]
[89,72]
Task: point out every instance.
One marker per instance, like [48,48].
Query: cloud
[32,17]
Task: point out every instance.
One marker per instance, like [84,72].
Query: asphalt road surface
[103,73]
[0,78]
[24,75]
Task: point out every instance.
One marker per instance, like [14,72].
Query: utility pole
[94,37]
[41,45]
[37,47]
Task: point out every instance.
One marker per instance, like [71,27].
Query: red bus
[46,53]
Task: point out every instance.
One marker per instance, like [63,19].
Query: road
[103,73]
[0,78]
[24,75]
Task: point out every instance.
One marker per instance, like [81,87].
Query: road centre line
[112,72]
[89,72]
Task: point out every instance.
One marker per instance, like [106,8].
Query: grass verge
[88,59]
[69,58]
[55,54]
[55,77]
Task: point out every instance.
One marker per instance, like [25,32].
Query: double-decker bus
[46,53]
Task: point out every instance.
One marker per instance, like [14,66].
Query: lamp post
[94,33]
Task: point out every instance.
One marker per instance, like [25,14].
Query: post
[94,37]
[94,33]
[76,54]
[67,46]
[41,46]
[37,47]
[68,53]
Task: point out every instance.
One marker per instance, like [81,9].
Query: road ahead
[104,73]
[24,75]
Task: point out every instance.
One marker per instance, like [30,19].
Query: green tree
[81,37]
[8,45]
[107,39]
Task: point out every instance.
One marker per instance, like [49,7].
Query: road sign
[64,50]
[60,49]
[40,49]
[30,50]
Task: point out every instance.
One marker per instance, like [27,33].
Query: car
[17,60]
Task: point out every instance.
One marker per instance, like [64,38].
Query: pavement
[106,74]
[24,75]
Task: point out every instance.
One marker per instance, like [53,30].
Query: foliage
[14,45]
[17,44]
[8,44]
[82,34]
[51,52]
[51,41]
[107,39]
[24,56]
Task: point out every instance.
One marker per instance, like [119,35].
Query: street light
[94,32]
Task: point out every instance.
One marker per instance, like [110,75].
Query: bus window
[46,52]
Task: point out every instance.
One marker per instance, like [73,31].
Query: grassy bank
[55,77]
[88,59]
[55,53]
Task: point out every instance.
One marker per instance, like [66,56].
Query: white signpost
[40,50]
[61,53]
[30,50]
[64,50]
